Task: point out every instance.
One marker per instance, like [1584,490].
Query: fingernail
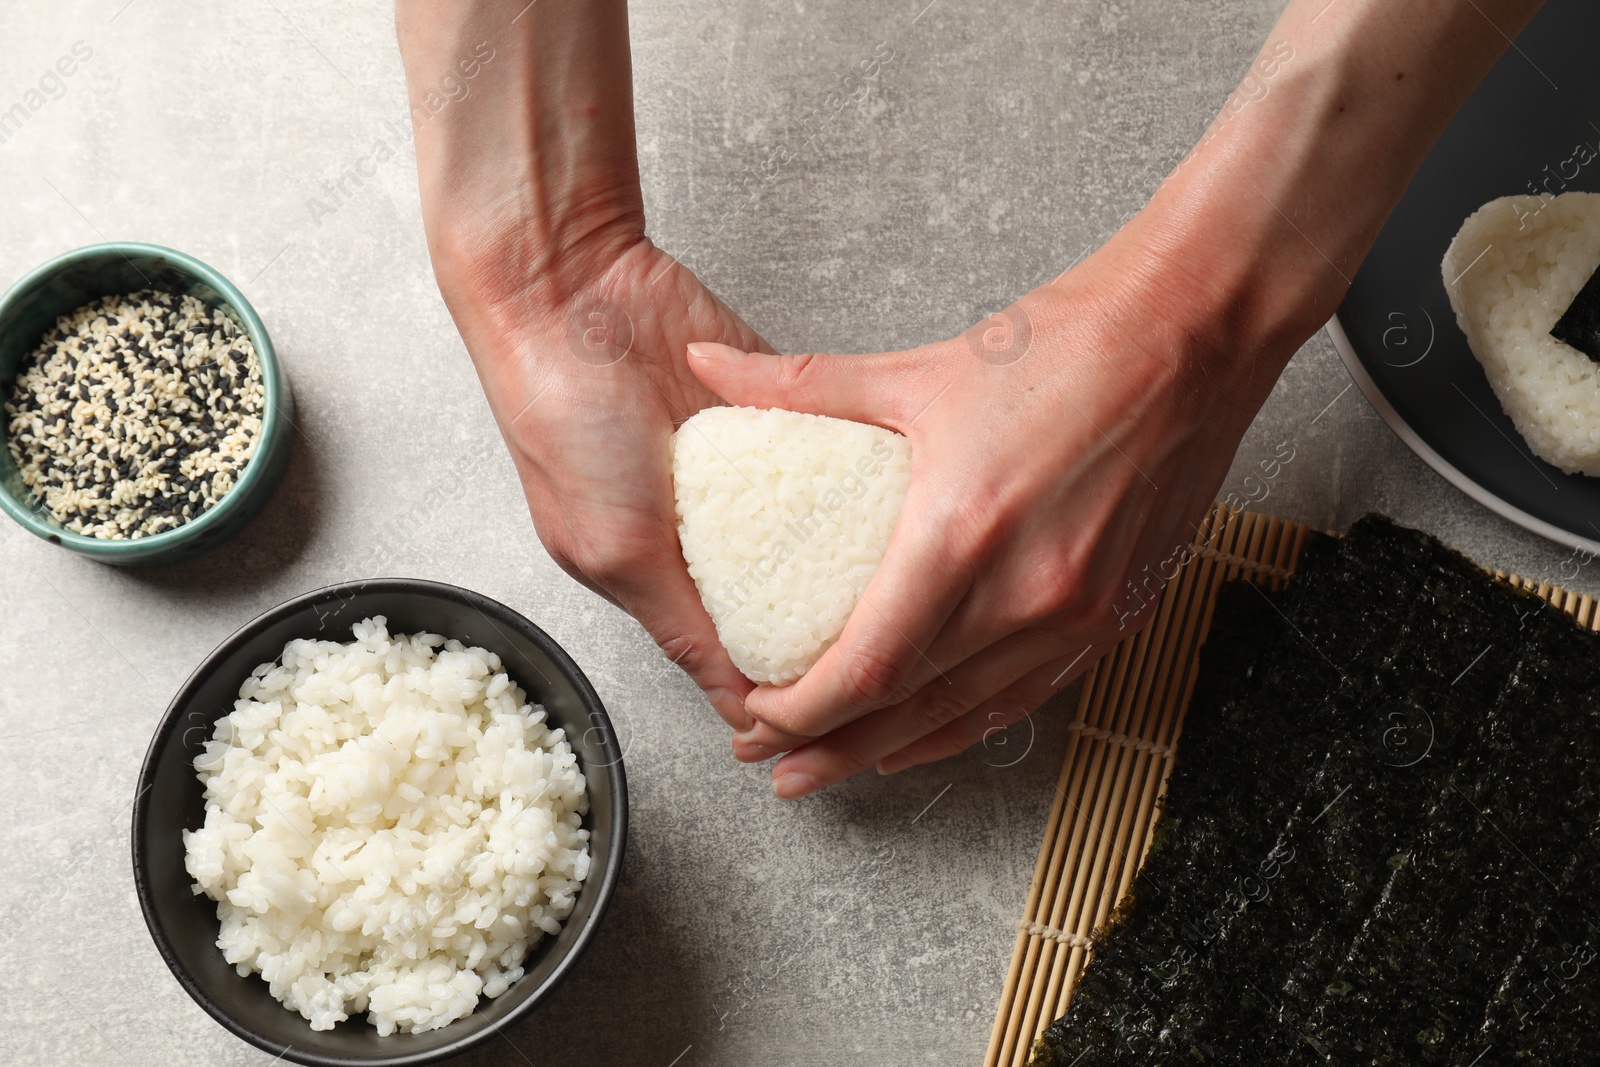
[712,350]
[731,708]
[891,765]
[752,753]
[794,785]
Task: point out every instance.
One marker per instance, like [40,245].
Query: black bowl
[169,800]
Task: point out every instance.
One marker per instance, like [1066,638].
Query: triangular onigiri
[783,517]
[1511,273]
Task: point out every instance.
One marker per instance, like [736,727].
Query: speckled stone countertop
[872,924]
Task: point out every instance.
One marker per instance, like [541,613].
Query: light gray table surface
[871,924]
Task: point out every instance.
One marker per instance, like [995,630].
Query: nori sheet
[1579,325]
[1378,842]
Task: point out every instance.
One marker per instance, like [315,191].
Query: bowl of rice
[378,824]
[144,418]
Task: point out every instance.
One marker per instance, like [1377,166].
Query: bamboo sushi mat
[1119,751]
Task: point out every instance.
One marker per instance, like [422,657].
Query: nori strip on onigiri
[1377,844]
[1579,325]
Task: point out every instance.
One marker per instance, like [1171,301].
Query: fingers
[902,610]
[1077,615]
[670,610]
[669,607]
[881,657]
[612,527]
[1010,705]
[861,744]
[910,633]
[829,703]
[876,389]
[1020,697]
[645,576]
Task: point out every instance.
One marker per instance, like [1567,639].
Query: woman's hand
[1058,449]
[1049,470]
[576,322]
[586,393]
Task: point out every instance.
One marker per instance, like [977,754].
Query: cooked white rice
[783,517]
[390,826]
[1511,272]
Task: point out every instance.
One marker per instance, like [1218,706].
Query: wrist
[545,321]
[528,267]
[523,116]
[1251,242]
[1240,297]
[1242,283]
[1189,313]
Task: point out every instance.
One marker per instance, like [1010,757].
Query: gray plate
[1395,328]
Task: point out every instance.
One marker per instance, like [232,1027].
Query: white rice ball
[783,518]
[390,827]
[1511,272]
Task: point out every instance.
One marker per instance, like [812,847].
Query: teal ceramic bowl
[68,282]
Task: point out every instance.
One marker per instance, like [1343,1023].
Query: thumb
[872,388]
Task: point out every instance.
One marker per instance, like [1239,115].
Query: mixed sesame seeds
[136,413]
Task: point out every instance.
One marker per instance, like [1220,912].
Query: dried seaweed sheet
[1378,841]
[1579,325]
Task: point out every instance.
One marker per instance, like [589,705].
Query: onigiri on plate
[1513,273]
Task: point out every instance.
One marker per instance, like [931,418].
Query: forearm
[1258,232]
[531,176]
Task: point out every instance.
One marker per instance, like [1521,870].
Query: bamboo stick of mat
[1129,719]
